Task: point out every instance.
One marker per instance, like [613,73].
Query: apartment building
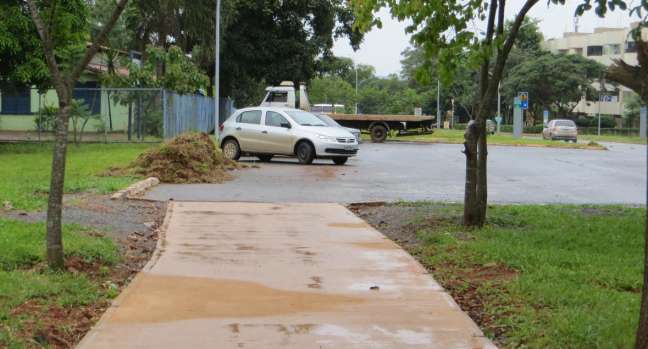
[603,45]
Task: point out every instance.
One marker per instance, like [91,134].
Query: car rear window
[250,117]
[565,123]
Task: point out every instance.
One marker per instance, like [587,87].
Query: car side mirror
[286,125]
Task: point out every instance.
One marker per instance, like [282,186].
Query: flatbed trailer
[379,126]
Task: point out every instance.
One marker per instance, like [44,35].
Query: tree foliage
[22,62]
[180,74]
[554,81]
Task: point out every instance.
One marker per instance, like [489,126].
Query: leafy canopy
[180,74]
[22,62]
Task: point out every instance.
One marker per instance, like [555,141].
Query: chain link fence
[108,115]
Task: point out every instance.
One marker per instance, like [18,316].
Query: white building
[603,45]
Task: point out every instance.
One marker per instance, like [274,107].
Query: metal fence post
[165,125]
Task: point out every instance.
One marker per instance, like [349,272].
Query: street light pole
[599,114]
[217,72]
[355,66]
[438,103]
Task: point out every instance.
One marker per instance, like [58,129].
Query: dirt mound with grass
[188,158]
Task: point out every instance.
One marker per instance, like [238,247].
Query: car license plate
[348,147]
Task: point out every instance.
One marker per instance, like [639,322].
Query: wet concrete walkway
[251,275]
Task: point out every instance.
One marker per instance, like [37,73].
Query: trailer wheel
[378,133]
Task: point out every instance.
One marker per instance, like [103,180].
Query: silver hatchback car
[268,131]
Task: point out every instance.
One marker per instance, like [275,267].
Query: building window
[578,51]
[595,50]
[631,46]
[563,51]
[16,103]
[613,49]
[92,98]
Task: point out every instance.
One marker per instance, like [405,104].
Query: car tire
[265,157]
[340,160]
[231,149]
[378,133]
[305,153]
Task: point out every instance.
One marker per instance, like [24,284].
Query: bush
[606,121]
[47,118]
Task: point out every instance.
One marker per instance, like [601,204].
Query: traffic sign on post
[524,100]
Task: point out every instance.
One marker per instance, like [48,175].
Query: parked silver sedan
[268,131]
[331,122]
[560,129]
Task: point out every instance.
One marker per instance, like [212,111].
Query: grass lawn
[456,137]
[547,276]
[25,170]
[610,138]
[37,306]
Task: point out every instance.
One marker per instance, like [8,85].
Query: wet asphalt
[400,171]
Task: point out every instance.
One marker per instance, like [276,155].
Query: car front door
[279,137]
[248,130]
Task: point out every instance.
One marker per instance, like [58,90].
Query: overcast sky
[382,47]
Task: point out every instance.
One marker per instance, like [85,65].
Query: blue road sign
[524,100]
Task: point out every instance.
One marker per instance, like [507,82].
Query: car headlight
[327,138]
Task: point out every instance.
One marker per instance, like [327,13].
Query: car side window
[274,119]
[250,117]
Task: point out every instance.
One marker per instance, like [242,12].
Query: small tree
[63,77]
[445,30]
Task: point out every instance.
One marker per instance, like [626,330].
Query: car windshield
[305,119]
[565,123]
[328,120]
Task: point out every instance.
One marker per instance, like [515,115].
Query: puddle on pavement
[157,298]
[377,245]
[349,225]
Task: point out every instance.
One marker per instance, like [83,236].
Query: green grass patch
[23,277]
[616,139]
[456,137]
[26,168]
[548,276]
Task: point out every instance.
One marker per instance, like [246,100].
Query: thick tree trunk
[55,200]
[641,341]
[635,77]
[471,210]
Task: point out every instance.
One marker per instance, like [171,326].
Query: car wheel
[340,160]
[378,133]
[231,149]
[265,157]
[305,153]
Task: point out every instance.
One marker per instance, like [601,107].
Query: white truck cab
[284,96]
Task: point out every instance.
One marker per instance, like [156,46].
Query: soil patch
[132,224]
[188,158]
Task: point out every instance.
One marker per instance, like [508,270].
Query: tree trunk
[471,209]
[55,200]
[641,341]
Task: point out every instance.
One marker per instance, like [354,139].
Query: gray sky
[382,48]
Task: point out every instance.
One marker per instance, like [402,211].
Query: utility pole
[599,114]
[438,116]
[217,72]
[355,66]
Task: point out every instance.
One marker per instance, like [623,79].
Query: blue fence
[191,113]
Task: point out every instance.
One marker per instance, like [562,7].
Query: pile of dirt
[188,158]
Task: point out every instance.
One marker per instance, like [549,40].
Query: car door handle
[238,128]
[264,131]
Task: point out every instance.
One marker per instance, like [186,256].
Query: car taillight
[221,127]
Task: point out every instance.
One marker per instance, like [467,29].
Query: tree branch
[50,58]
[500,18]
[121,5]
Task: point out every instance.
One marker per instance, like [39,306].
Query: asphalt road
[395,171]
